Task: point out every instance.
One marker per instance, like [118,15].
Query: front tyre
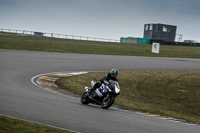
[107,102]
[84,98]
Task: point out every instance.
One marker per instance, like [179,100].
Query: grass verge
[12,125]
[171,94]
[34,43]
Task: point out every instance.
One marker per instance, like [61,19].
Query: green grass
[34,43]
[167,93]
[12,125]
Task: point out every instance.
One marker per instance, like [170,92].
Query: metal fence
[53,35]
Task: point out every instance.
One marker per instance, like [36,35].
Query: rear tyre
[84,98]
[107,102]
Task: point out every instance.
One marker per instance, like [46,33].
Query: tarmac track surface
[20,98]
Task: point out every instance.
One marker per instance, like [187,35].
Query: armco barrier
[162,42]
[53,35]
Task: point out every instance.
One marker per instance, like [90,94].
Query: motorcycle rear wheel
[84,98]
[107,102]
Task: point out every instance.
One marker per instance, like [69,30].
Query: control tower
[160,31]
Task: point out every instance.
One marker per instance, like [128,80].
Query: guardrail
[162,42]
[53,35]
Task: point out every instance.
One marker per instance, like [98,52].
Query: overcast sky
[110,19]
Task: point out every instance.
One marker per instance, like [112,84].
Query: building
[160,32]
[135,40]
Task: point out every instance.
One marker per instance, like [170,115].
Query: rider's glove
[106,82]
[93,83]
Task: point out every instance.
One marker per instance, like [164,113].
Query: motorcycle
[104,95]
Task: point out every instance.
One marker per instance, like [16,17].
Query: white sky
[110,19]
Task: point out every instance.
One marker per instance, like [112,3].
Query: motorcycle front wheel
[84,98]
[107,102]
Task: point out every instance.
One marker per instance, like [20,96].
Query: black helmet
[114,72]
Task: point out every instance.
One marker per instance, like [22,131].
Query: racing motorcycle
[104,95]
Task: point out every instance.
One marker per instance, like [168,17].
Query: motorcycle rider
[107,79]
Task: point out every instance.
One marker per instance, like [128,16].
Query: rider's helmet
[114,72]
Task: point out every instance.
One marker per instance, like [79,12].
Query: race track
[20,98]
